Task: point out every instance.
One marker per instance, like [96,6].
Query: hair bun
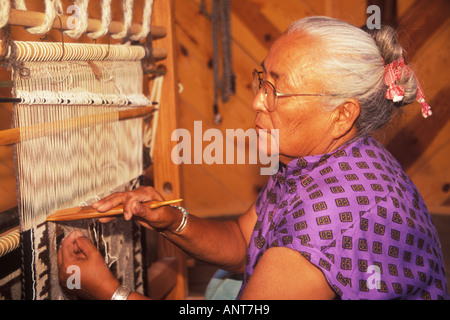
[391,51]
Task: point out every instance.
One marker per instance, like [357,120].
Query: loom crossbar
[58,51]
[12,136]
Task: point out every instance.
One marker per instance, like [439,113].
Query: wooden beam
[166,173]
[15,135]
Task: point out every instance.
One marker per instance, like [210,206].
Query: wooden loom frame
[166,278]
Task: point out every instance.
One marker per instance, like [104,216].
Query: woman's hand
[163,218]
[95,279]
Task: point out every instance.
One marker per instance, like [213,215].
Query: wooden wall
[422,146]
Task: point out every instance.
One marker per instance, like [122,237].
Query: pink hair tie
[392,73]
[426,109]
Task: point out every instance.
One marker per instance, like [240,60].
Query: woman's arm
[284,274]
[222,243]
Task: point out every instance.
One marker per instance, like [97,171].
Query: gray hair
[352,66]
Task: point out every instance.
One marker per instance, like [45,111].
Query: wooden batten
[12,136]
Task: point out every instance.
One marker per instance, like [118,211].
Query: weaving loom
[78,136]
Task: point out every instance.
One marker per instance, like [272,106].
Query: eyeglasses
[270,93]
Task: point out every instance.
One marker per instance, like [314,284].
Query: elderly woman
[340,218]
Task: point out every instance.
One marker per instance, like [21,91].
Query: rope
[220,20]
[215,18]
[106,20]
[20,5]
[78,21]
[228,77]
[52,8]
[127,6]
[5,6]
[146,21]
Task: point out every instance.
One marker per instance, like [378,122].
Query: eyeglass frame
[277,94]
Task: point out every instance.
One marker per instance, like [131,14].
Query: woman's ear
[345,117]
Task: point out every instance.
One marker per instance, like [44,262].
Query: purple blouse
[356,216]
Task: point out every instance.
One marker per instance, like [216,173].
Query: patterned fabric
[356,216]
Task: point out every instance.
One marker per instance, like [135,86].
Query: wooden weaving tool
[86,212]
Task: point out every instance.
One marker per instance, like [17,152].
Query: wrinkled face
[304,129]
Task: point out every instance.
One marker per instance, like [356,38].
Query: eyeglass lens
[269,94]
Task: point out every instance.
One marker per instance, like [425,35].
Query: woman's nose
[258,103]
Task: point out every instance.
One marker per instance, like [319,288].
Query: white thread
[52,8]
[146,22]
[63,169]
[20,5]
[5,6]
[106,20]
[94,230]
[84,98]
[127,6]
[109,259]
[33,262]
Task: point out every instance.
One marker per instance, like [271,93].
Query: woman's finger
[109,202]
[68,251]
[86,247]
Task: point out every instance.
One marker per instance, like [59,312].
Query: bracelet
[121,293]
[184,221]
